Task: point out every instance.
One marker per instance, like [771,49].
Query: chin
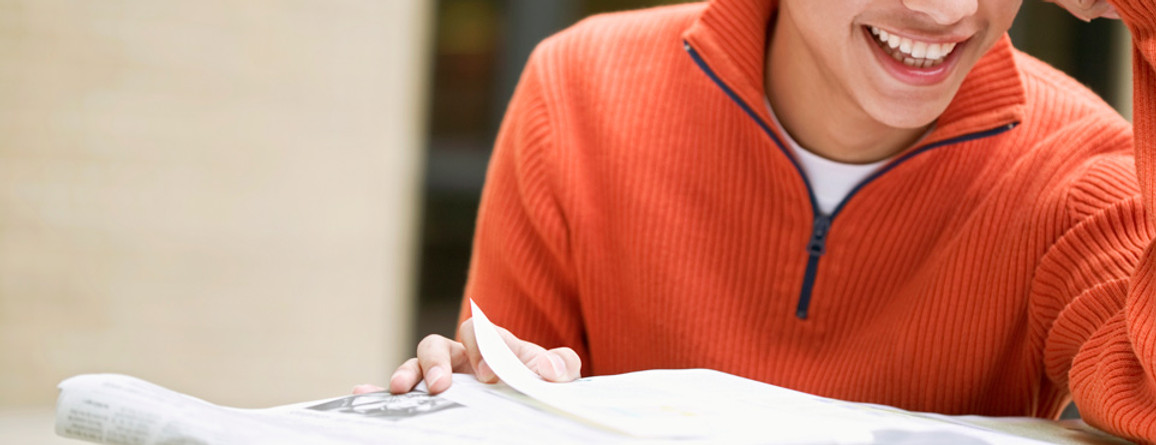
[907,107]
[907,117]
[908,111]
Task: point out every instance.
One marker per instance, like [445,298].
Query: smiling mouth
[913,53]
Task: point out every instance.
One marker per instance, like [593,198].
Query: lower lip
[912,75]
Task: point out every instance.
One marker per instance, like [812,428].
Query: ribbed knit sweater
[639,209]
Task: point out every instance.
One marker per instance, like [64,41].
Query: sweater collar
[731,35]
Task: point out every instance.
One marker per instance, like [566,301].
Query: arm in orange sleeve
[521,272]
[1102,343]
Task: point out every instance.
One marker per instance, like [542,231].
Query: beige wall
[218,196]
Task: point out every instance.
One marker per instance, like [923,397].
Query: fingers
[558,365]
[433,357]
[525,351]
[405,378]
[1087,10]
[437,359]
[1111,13]
[555,365]
[482,371]
[366,388]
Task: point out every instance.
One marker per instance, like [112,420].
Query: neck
[828,122]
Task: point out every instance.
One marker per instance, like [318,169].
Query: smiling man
[874,200]
[864,89]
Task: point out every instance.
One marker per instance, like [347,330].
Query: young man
[873,200]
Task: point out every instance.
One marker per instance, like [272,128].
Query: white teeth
[934,52]
[919,50]
[938,51]
[912,52]
[893,42]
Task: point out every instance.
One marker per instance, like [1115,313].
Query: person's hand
[1087,10]
[438,357]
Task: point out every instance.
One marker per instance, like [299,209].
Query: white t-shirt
[831,181]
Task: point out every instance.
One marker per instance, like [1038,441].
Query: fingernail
[559,365]
[434,375]
[366,388]
[397,375]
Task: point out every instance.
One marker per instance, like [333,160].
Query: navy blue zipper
[817,245]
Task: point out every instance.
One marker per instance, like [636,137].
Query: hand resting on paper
[438,357]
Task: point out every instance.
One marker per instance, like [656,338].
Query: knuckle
[567,353]
[407,367]
[429,341]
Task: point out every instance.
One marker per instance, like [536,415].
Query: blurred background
[268,201]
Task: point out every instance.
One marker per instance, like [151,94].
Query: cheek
[824,23]
[1001,13]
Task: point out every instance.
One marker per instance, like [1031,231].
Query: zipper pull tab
[816,247]
[818,244]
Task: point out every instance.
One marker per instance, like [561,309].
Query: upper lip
[940,38]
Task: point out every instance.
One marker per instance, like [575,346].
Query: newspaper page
[118,409]
[714,406]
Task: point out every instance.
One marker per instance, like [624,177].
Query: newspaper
[658,406]
[119,409]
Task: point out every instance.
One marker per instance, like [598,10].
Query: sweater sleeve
[521,271]
[1103,341]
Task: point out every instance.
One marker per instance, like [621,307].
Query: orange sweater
[639,209]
